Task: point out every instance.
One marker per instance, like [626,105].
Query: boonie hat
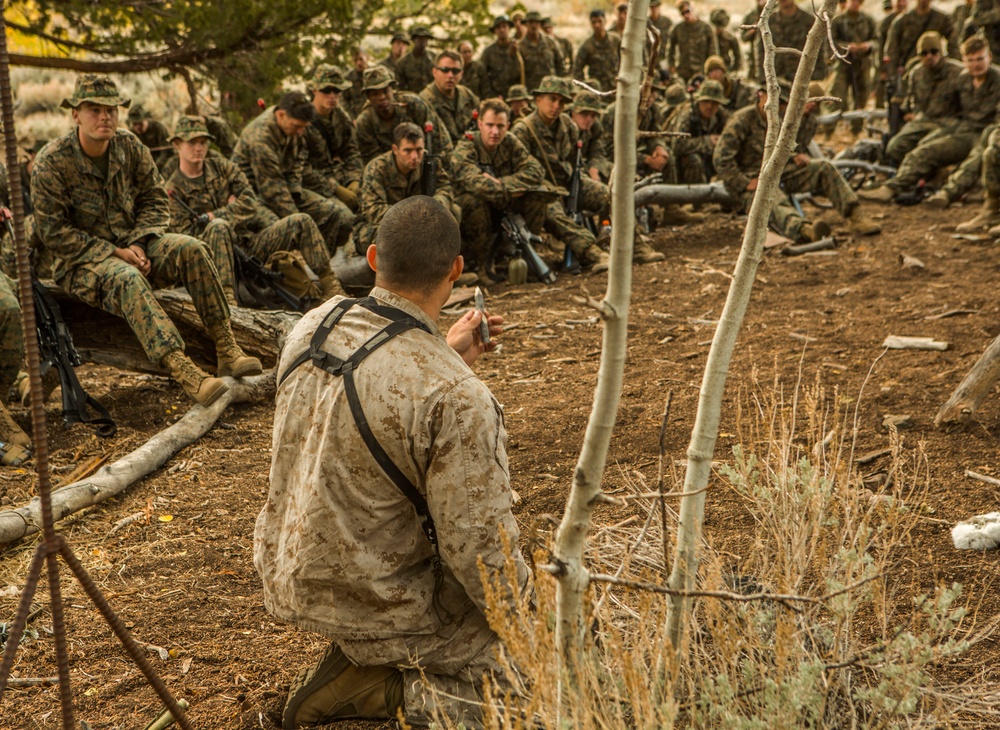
[421,31]
[711,91]
[719,18]
[96,89]
[715,62]
[501,19]
[377,77]
[328,75]
[190,127]
[587,102]
[405,37]
[555,85]
[519,92]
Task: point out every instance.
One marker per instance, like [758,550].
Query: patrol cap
[501,19]
[719,18]
[711,91]
[596,13]
[421,31]
[929,41]
[555,85]
[587,102]
[96,89]
[190,127]
[675,94]
[715,62]
[328,75]
[377,77]
[137,114]
[404,37]
[533,17]
[519,92]
[517,15]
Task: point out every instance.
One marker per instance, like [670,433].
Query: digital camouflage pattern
[375,134]
[906,29]
[541,58]
[244,221]
[853,78]
[83,217]
[599,59]
[663,24]
[275,164]
[455,113]
[690,44]
[596,141]
[414,72]
[693,155]
[978,105]
[750,36]
[481,198]
[332,150]
[157,139]
[931,96]
[966,175]
[353,99]
[11,335]
[790,31]
[382,186]
[985,15]
[729,50]
[991,165]
[653,119]
[503,69]
[740,92]
[474,79]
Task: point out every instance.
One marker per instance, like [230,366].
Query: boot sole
[213,395]
[332,665]
[253,367]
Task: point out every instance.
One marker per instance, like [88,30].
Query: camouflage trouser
[333,218]
[11,336]
[297,232]
[966,176]
[694,169]
[907,138]
[478,216]
[119,288]
[991,165]
[596,199]
[935,151]
[843,88]
[452,664]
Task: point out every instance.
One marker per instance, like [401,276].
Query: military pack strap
[399,322]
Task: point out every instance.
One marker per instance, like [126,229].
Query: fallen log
[980,380]
[115,478]
[107,340]
[666,194]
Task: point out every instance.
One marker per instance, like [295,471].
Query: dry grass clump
[837,644]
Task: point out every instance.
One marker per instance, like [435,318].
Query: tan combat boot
[232,360]
[938,201]
[861,225]
[988,216]
[814,231]
[598,258]
[643,253]
[10,432]
[198,384]
[329,286]
[676,215]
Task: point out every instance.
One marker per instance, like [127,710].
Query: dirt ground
[182,576]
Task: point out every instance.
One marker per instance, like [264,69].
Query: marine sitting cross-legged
[363,451]
[211,198]
[102,209]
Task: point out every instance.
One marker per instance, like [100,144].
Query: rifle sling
[399,322]
[541,149]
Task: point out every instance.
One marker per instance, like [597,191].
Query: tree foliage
[250,48]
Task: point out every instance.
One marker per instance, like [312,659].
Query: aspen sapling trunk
[585,492]
[777,150]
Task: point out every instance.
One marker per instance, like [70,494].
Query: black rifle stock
[512,226]
[57,350]
[431,162]
[893,88]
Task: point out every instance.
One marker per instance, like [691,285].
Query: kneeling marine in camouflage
[14,442]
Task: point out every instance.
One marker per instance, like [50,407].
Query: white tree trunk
[975,386]
[115,478]
[706,428]
[571,536]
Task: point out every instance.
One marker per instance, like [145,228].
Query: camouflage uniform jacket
[565,47]
[931,93]
[502,69]
[654,120]
[901,44]
[859,28]
[455,113]
[210,194]
[339,549]
[554,147]
[474,79]
[663,24]
[741,92]
[729,49]
[690,45]
[808,126]
[375,135]
[273,162]
[790,31]
[390,63]
[333,148]
[383,186]
[510,162]
[81,216]
[599,59]
[686,118]
[985,15]
[414,72]
[978,105]
[740,150]
[755,56]
[595,148]
[5,189]
[541,58]
[157,138]
[354,99]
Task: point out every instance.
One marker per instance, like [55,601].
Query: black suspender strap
[399,322]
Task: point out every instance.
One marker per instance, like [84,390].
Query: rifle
[430,171]
[57,350]
[574,205]
[264,285]
[892,88]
